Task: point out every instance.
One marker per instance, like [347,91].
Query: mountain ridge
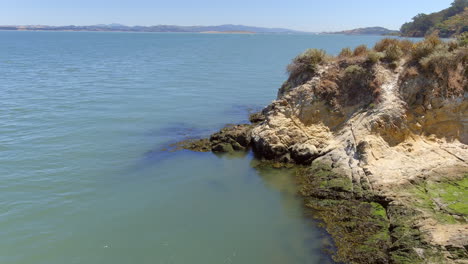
[155,28]
[366,31]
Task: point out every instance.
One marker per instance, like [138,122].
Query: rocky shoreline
[366,227]
[378,147]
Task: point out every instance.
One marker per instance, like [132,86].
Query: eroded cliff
[382,135]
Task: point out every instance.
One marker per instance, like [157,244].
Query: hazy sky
[308,15]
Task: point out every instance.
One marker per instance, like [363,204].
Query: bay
[83,119]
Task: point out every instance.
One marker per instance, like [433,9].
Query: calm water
[82,119]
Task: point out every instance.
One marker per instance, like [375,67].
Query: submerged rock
[229,139]
[236,137]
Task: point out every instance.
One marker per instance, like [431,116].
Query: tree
[456,7]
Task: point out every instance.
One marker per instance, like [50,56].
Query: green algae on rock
[365,227]
[359,229]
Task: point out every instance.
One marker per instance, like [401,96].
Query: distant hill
[367,31]
[228,32]
[158,28]
[447,23]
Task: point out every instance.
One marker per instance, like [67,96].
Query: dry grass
[410,72]
[349,85]
[421,50]
[358,85]
[382,45]
[360,50]
[351,78]
[433,39]
[449,70]
[405,45]
[345,53]
[393,53]
[445,64]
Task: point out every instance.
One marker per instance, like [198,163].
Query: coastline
[387,183]
[228,32]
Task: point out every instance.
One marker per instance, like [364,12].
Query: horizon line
[200,25]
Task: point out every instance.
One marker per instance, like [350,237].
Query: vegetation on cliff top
[351,77]
[447,23]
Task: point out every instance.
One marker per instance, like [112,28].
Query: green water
[82,120]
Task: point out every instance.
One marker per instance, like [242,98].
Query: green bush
[437,60]
[421,50]
[373,56]
[307,61]
[463,39]
[393,53]
[354,70]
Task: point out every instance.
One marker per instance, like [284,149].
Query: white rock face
[390,145]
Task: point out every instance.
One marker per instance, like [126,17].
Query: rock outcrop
[409,136]
[230,138]
[387,137]
[395,140]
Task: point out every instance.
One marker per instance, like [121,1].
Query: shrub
[354,70]
[426,47]
[440,59]
[358,85]
[327,90]
[307,61]
[449,69]
[373,56]
[406,45]
[345,53]
[433,39]
[452,45]
[462,55]
[421,50]
[382,45]
[463,39]
[360,50]
[393,53]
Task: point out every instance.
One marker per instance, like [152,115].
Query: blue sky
[308,15]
